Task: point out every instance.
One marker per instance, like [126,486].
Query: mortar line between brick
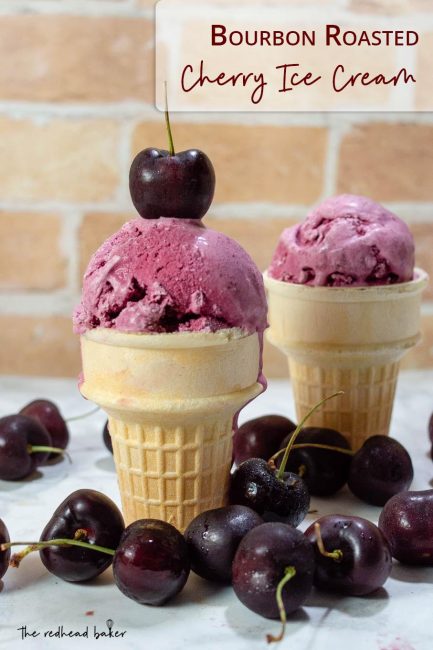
[331,160]
[412,212]
[146,112]
[85,8]
[69,244]
[125,159]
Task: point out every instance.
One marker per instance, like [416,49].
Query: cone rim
[372,293]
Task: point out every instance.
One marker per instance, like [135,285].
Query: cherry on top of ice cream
[347,240]
[171,275]
[179,185]
[168,184]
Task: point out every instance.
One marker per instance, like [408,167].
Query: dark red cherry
[264,557]
[407,522]
[357,559]
[213,537]
[255,484]
[107,438]
[171,185]
[101,523]
[324,471]
[48,414]
[18,434]
[4,555]
[261,437]
[151,564]
[379,469]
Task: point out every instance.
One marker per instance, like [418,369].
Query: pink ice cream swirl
[347,240]
[171,275]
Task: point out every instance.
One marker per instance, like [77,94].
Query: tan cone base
[171,473]
[364,409]
[349,339]
[171,400]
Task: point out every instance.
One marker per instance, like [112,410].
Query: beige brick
[279,164]
[30,255]
[76,58]
[43,345]
[259,237]
[421,356]
[424,90]
[66,160]
[389,162]
[387,7]
[423,235]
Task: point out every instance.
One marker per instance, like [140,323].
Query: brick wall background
[76,93]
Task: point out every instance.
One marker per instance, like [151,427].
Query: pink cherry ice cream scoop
[171,275]
[347,240]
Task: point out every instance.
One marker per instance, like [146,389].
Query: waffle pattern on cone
[365,408]
[171,473]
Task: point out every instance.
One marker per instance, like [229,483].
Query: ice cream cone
[171,400]
[345,338]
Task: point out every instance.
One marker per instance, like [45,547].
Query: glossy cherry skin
[107,438]
[407,523]
[17,432]
[255,484]
[180,186]
[366,561]
[259,564]
[380,469]
[151,564]
[213,537]
[103,522]
[47,414]
[261,437]
[4,555]
[324,471]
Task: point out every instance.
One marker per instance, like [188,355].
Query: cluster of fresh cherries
[254,543]
[36,435]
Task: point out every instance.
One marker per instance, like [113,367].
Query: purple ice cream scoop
[347,240]
[171,275]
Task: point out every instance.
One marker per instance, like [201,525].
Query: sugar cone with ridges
[171,400]
[345,338]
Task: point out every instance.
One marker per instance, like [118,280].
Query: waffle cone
[171,400]
[349,339]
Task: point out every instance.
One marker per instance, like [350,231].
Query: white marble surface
[203,615]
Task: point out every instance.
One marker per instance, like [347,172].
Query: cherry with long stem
[167,123]
[36,546]
[294,435]
[289,573]
[314,445]
[336,554]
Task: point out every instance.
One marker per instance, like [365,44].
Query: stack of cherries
[36,435]
[253,543]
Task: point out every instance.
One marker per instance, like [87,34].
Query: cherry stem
[301,470]
[298,429]
[167,123]
[83,415]
[34,449]
[37,546]
[315,445]
[336,555]
[289,573]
